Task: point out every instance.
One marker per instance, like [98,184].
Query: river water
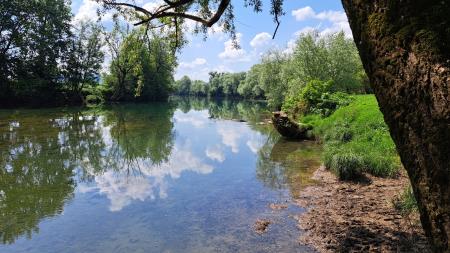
[190,175]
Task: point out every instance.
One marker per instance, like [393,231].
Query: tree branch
[162,11]
[137,8]
[276,29]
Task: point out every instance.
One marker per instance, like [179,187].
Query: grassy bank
[356,140]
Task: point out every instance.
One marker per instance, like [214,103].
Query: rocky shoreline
[357,217]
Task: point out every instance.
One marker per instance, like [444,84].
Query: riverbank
[358,217]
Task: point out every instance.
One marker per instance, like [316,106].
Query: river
[190,175]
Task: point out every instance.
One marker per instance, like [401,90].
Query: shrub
[341,133]
[347,166]
[95,94]
[381,165]
[316,98]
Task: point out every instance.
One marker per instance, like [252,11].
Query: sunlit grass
[356,140]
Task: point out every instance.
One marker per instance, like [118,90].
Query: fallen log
[291,129]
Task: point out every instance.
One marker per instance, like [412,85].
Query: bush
[381,165]
[316,98]
[347,166]
[95,94]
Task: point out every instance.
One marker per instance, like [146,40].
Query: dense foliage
[84,59]
[219,85]
[34,38]
[310,79]
[141,68]
[316,98]
[47,58]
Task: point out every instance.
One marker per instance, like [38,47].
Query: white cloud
[332,16]
[303,13]
[88,11]
[216,31]
[193,64]
[305,30]
[230,136]
[222,68]
[260,39]
[290,47]
[254,145]
[338,27]
[215,153]
[151,6]
[122,187]
[122,190]
[338,20]
[232,53]
[198,120]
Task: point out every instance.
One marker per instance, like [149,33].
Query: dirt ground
[357,217]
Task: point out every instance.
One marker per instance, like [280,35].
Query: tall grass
[356,140]
[406,203]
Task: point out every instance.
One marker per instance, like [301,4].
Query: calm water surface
[184,176]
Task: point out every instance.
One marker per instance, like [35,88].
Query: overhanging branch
[163,11]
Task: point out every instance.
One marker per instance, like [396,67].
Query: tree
[183,86]
[332,57]
[405,52]
[142,65]
[215,87]
[34,37]
[250,87]
[199,88]
[120,67]
[84,58]
[272,80]
[225,84]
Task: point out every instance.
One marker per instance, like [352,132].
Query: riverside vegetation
[321,82]
[48,58]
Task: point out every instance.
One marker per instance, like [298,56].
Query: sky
[254,31]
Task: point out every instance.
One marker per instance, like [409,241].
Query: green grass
[406,203]
[356,140]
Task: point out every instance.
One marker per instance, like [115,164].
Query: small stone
[261,226]
[274,206]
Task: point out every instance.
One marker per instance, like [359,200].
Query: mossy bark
[405,49]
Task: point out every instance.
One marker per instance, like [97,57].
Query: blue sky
[254,32]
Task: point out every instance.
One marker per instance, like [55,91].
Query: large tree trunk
[405,49]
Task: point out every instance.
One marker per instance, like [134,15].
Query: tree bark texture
[405,48]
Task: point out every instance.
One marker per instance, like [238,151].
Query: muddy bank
[357,217]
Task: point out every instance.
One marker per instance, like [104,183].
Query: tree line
[282,75]
[404,50]
[48,58]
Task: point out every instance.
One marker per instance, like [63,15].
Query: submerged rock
[291,129]
[274,206]
[261,226]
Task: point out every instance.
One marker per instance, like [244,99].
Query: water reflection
[282,163]
[45,153]
[36,173]
[200,162]
[121,187]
